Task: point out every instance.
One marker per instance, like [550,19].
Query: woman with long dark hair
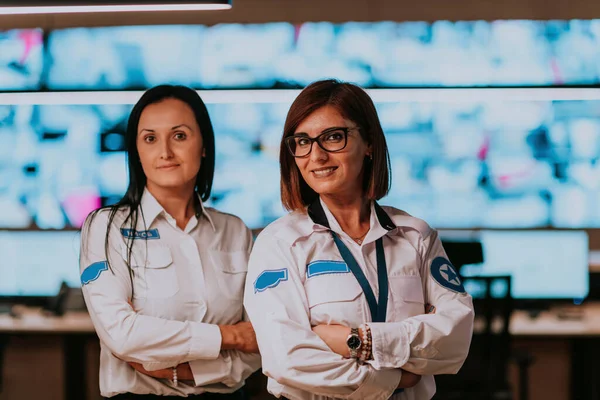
[162,275]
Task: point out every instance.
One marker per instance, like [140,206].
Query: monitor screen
[35,263]
[543,264]
[21,59]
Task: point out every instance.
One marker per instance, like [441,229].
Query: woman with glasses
[162,275]
[350,299]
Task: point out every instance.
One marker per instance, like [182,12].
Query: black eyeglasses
[331,140]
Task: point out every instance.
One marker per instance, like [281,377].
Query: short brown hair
[352,103]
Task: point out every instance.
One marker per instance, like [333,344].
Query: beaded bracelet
[175,376]
[366,353]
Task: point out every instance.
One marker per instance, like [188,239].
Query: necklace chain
[360,238]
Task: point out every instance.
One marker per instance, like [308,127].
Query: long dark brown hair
[137,179]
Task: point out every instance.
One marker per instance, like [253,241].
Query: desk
[548,324]
[583,336]
[75,327]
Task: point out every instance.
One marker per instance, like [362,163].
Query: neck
[351,212]
[177,202]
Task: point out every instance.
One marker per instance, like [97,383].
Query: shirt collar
[151,209]
[381,223]
[200,210]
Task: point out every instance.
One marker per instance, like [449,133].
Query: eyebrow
[333,128]
[173,128]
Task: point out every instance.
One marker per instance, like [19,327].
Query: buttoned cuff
[391,348]
[207,372]
[205,342]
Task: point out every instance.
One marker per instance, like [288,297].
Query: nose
[317,154]
[165,151]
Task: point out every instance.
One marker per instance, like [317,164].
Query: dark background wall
[331,10]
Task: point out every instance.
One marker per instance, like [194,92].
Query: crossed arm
[239,337]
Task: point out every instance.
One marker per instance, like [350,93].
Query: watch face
[353,342]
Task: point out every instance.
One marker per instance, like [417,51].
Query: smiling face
[338,174]
[169,144]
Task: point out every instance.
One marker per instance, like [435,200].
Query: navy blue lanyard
[378,308]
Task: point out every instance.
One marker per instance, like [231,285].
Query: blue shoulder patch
[444,273]
[323,267]
[133,234]
[92,272]
[269,279]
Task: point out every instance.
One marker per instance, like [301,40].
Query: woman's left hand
[335,337]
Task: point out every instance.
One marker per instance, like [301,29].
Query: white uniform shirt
[293,284]
[185,284]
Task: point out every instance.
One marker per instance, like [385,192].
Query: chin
[334,188]
[170,183]
[325,188]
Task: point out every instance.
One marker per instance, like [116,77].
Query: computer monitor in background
[544,264]
[35,263]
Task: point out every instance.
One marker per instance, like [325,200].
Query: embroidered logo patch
[269,279]
[323,267]
[444,273]
[93,272]
[133,234]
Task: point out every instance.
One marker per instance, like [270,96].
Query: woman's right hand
[408,380]
[240,337]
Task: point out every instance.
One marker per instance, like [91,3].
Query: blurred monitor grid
[284,55]
[456,165]
[280,55]
[480,163]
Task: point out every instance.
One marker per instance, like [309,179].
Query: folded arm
[129,335]
[293,354]
[433,343]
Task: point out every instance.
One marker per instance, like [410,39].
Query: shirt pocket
[230,269]
[334,299]
[407,297]
[154,274]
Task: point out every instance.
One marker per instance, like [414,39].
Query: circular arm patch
[444,273]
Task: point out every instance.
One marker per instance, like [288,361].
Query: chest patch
[133,234]
[323,267]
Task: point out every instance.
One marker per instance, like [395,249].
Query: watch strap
[354,351]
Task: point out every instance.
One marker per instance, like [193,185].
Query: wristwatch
[353,342]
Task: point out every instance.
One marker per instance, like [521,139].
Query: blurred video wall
[509,164]
[282,55]
[481,163]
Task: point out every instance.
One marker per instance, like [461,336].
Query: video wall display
[382,54]
[283,55]
[457,165]
[487,163]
